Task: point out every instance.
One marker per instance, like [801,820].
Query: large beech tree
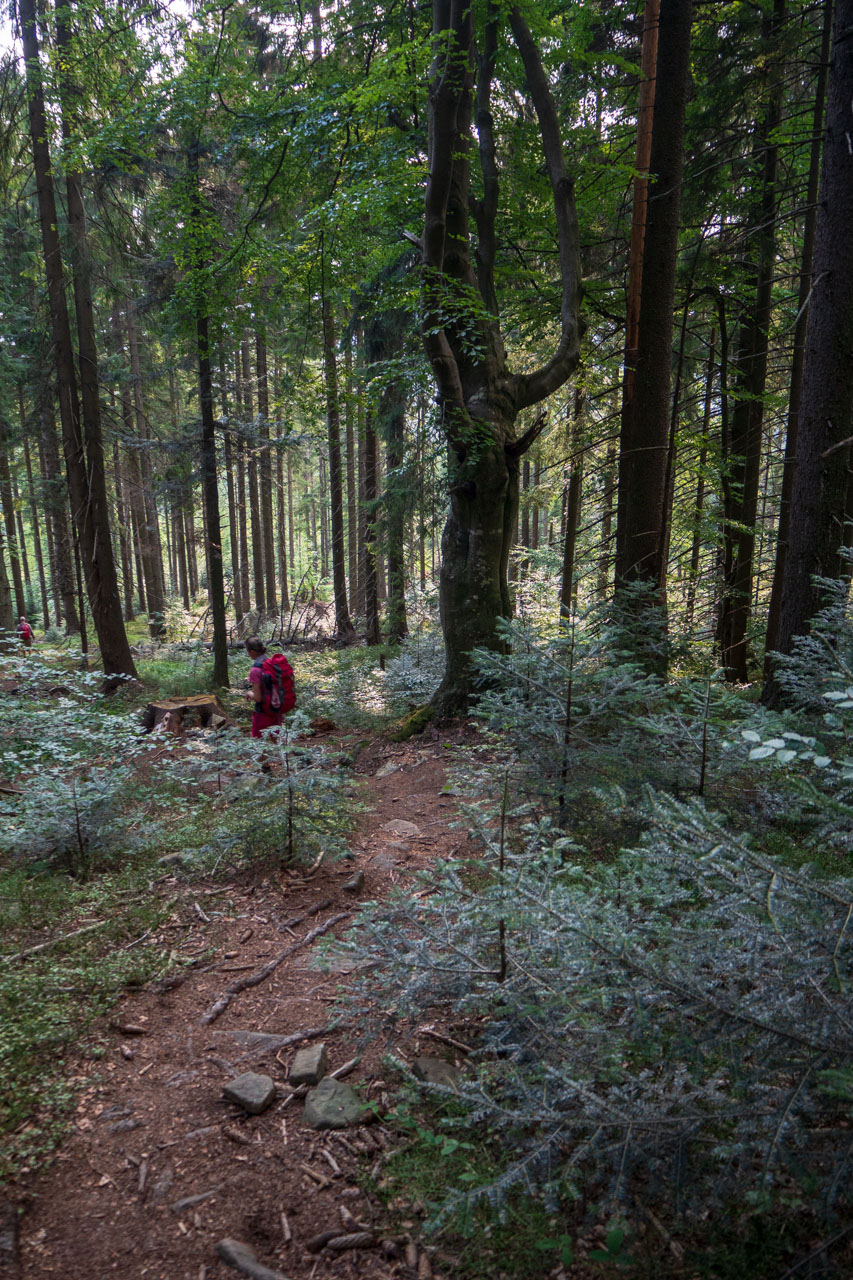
[479,397]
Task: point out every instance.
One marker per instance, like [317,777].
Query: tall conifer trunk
[265,471]
[641,507]
[796,385]
[568,587]
[34,517]
[252,469]
[210,486]
[344,629]
[748,392]
[83,456]
[7,617]
[821,489]
[152,551]
[56,502]
[368,574]
[7,501]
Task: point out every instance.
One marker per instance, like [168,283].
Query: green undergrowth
[649,955]
[50,998]
[433,1155]
[90,808]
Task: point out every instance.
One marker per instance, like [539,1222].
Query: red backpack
[279,684]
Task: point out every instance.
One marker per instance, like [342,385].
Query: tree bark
[568,587]
[645,117]
[210,485]
[397,501]
[605,556]
[352,489]
[368,574]
[56,502]
[7,617]
[152,550]
[124,542]
[84,450]
[8,505]
[825,423]
[795,394]
[21,536]
[344,630]
[34,518]
[479,397]
[291,531]
[265,470]
[699,506]
[240,608]
[641,505]
[748,412]
[254,496]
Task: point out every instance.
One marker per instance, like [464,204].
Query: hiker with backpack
[25,633]
[272,690]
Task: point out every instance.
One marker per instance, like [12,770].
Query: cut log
[174,715]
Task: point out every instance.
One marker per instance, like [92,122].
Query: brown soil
[158,1167]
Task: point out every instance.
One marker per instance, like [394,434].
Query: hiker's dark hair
[254,644]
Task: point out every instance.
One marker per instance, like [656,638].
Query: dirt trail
[158,1167]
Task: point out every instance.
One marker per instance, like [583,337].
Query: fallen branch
[439,1035]
[62,937]
[256,1042]
[254,979]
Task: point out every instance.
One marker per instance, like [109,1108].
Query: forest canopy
[293,303]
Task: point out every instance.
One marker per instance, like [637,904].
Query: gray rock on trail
[436,1071]
[333,1105]
[239,1256]
[250,1091]
[392,766]
[309,1065]
[355,884]
[399,827]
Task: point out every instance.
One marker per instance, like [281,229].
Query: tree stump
[174,715]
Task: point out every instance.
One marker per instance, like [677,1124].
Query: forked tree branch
[536,386]
[516,448]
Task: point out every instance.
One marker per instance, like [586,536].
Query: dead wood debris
[254,979]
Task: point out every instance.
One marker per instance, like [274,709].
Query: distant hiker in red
[25,631]
[272,689]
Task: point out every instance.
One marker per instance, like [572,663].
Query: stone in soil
[309,1065]
[387,769]
[436,1071]
[252,1092]
[333,1105]
[239,1256]
[355,884]
[399,827]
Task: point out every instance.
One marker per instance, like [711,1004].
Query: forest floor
[157,1167]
